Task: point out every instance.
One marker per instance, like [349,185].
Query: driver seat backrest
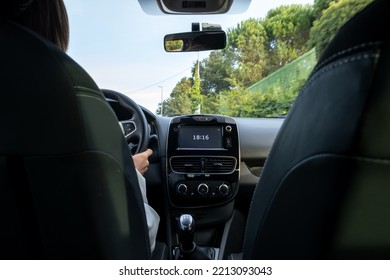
[68,187]
[325,188]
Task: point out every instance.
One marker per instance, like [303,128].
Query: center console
[203,163]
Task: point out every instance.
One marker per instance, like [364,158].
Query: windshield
[270,52]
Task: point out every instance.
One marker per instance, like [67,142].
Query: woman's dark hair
[49,19]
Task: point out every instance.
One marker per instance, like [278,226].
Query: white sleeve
[152,218]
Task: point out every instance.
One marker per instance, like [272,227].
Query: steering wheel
[135,129]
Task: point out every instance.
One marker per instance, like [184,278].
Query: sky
[121,47]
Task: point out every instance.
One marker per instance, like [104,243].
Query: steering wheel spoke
[136,130]
[128,128]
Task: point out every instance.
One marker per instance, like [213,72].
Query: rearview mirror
[195,41]
[184,7]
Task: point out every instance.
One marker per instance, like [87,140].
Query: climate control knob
[182,189]
[203,189]
[224,189]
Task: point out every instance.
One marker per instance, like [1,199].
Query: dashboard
[206,166]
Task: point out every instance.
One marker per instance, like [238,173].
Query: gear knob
[186,223]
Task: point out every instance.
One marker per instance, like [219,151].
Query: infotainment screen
[200,137]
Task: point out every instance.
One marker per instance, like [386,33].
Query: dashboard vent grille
[186,165]
[203,165]
[220,165]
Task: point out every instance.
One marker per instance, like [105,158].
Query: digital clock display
[200,137]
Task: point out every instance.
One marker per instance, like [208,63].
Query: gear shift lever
[186,233]
[188,248]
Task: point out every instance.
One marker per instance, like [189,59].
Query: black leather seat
[68,187]
[325,189]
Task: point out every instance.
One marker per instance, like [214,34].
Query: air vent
[194,4]
[203,165]
[220,165]
[186,164]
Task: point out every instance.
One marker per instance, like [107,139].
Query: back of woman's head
[49,19]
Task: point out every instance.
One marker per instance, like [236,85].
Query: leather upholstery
[324,190]
[68,187]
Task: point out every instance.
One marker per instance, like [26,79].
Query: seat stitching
[343,52]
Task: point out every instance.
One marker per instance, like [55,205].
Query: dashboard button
[224,189]
[203,189]
[182,189]
[228,128]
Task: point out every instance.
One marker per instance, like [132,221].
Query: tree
[174,45]
[246,51]
[185,98]
[336,15]
[180,99]
[319,6]
[258,47]
[214,73]
[288,29]
[211,104]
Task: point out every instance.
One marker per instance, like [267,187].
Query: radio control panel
[203,160]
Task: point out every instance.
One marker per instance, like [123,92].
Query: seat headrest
[13,8]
